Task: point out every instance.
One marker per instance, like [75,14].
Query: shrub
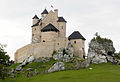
[54,52]
[64,51]
[117,55]
[4,62]
[101,40]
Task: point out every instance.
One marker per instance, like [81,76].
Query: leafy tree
[4,62]
[117,55]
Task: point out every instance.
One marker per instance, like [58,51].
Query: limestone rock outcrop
[101,50]
[26,61]
[65,55]
[58,66]
[82,64]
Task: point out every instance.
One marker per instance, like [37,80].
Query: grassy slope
[100,73]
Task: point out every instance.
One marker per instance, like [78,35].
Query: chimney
[56,12]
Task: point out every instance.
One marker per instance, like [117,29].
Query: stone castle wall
[62,29]
[43,49]
[49,36]
[52,18]
[36,34]
[78,46]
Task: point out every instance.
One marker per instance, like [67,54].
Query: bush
[117,55]
[101,40]
[54,52]
[64,51]
[4,62]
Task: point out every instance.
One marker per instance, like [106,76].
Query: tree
[4,62]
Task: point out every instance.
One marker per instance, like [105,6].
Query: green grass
[14,66]
[100,73]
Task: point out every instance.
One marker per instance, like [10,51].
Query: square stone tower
[78,43]
[47,19]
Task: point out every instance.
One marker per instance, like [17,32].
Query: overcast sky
[85,16]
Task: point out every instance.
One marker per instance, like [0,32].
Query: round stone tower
[36,30]
[77,41]
[35,19]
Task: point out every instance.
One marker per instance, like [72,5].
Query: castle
[48,35]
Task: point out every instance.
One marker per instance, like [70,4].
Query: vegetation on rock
[117,55]
[101,40]
[101,50]
[105,43]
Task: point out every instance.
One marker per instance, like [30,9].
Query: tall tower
[44,13]
[62,26]
[35,19]
[77,41]
[35,29]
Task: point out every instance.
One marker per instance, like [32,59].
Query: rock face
[99,59]
[31,59]
[29,74]
[42,59]
[101,50]
[65,55]
[58,66]
[26,61]
[83,64]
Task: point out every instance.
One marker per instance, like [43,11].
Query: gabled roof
[50,27]
[45,12]
[35,17]
[61,19]
[76,35]
[36,23]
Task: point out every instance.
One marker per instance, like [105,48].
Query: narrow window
[57,43]
[35,28]
[75,42]
[43,40]
[32,34]
[62,27]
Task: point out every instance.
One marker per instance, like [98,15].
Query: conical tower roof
[61,19]
[45,12]
[76,35]
[35,17]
